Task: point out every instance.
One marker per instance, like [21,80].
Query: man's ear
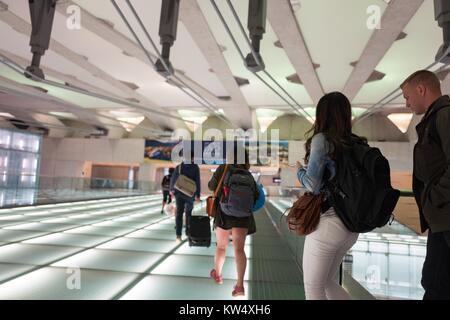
[421,90]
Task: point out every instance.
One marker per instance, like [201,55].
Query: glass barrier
[386,262]
[25,189]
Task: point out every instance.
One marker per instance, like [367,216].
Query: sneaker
[162,211]
[217,279]
[238,291]
[178,240]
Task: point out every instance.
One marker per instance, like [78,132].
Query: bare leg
[239,235]
[222,243]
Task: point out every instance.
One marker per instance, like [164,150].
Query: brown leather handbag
[212,202]
[304,215]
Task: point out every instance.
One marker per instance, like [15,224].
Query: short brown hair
[424,77]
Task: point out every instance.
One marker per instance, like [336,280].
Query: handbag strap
[220,182]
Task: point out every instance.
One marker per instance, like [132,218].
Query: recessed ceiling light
[6,115]
[63,114]
[401,120]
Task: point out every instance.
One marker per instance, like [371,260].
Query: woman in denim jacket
[326,246]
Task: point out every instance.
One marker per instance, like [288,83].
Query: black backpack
[239,191]
[361,192]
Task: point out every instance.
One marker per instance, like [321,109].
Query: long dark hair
[334,120]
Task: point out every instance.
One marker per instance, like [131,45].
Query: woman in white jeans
[325,247]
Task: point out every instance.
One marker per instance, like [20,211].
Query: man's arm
[173,180]
[440,193]
[197,182]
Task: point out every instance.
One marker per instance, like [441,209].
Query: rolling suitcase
[199,231]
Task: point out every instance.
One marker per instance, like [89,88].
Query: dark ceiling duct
[257,12]
[42,13]
[442,16]
[168,24]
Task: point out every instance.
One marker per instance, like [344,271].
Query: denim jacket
[311,176]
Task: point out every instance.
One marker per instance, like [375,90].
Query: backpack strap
[219,185]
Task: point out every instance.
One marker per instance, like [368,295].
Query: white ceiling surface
[276,61]
[184,54]
[335,34]
[107,57]
[18,44]
[416,51]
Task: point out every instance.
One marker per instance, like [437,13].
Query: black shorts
[166,197]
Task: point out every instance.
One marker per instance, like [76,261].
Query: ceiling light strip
[151,130]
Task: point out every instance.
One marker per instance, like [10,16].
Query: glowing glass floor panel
[56,284]
[160,287]
[68,239]
[121,246]
[113,260]
[9,270]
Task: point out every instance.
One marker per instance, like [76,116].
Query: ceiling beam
[395,18]
[68,78]
[285,25]
[24,27]
[195,22]
[107,32]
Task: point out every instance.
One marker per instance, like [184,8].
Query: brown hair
[423,77]
[334,120]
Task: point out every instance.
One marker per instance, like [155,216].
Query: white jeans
[322,255]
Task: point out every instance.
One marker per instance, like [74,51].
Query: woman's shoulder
[319,139]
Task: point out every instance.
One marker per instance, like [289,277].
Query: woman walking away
[326,246]
[234,216]
[165,187]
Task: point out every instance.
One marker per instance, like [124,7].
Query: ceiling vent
[130,85]
[375,76]
[106,22]
[19,124]
[401,36]
[36,88]
[294,78]
[241,81]
[278,44]
[222,48]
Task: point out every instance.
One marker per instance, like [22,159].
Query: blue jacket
[192,171]
[311,176]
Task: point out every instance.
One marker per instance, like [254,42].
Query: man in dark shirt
[185,203]
[431,177]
